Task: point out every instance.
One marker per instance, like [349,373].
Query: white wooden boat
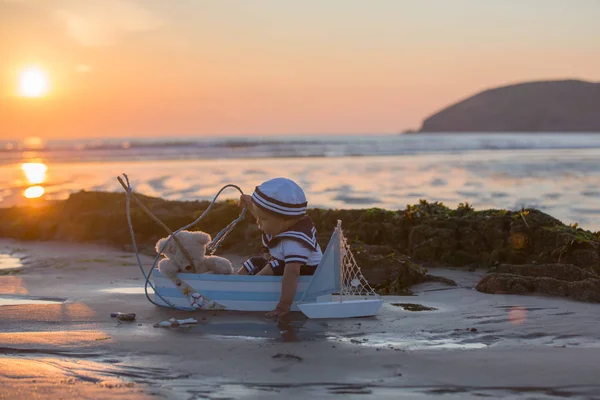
[337,274]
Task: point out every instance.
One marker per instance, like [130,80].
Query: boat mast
[342,254]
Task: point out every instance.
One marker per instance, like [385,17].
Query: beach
[70,265]
[59,340]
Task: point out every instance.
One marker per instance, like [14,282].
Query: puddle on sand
[10,262]
[288,331]
[255,326]
[382,340]
[20,300]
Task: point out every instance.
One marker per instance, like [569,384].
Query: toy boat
[336,290]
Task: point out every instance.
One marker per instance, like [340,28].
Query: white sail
[339,273]
[326,279]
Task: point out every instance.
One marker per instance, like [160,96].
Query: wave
[290,146]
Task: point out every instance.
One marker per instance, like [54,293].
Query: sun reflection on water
[34,192]
[35,173]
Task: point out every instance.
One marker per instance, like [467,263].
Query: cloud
[103,23]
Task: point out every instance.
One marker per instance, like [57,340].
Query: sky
[151,68]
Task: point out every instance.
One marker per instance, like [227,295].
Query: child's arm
[288,289]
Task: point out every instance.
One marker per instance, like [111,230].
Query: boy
[279,206]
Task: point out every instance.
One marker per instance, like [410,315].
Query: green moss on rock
[397,244]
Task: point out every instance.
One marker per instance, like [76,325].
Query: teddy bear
[195,243]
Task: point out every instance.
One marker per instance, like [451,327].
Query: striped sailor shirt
[297,244]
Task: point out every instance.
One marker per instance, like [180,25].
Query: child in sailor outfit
[279,206]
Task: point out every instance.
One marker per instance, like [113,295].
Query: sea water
[556,173]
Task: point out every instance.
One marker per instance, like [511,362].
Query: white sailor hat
[281,196]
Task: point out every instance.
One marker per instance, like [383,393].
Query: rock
[504,283]
[494,229]
[390,273]
[393,248]
[435,278]
[586,289]
[546,106]
[565,272]
[386,271]
[471,240]
[427,242]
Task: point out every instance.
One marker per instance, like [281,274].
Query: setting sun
[33,82]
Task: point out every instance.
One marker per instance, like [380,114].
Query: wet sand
[57,339]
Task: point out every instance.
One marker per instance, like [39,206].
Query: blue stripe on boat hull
[234,296]
[220,286]
[230,278]
[229,304]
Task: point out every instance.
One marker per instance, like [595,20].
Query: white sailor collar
[303,232]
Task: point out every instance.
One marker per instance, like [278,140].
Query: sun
[33,82]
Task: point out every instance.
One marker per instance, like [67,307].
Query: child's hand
[281,311]
[246,200]
[276,313]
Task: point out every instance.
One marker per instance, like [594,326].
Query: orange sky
[149,68]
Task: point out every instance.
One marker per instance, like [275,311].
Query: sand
[57,340]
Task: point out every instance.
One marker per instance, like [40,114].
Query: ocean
[556,173]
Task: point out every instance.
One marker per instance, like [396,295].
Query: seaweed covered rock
[388,272]
[553,280]
[429,233]
[465,237]
[564,272]
[396,243]
[372,226]
[99,217]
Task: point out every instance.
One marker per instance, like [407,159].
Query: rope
[211,247]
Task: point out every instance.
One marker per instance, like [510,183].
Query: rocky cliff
[550,106]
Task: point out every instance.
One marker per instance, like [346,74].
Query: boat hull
[229,292]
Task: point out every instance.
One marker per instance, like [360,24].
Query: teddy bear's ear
[160,244]
[203,238]
[171,247]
